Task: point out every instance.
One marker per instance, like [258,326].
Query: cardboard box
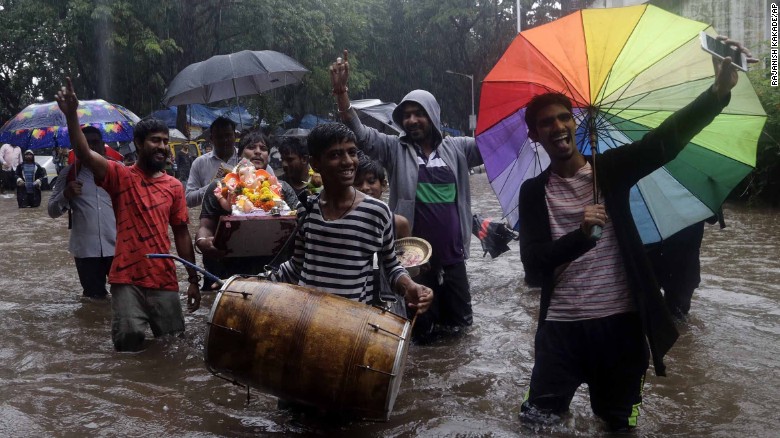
[248,236]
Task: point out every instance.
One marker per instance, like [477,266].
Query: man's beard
[420,135]
[417,135]
[147,162]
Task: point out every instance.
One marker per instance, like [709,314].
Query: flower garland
[250,191]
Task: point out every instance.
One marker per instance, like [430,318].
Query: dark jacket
[40,172]
[617,171]
[183,165]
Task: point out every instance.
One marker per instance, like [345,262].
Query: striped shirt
[595,284]
[337,256]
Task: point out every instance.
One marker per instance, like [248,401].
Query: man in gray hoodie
[429,185]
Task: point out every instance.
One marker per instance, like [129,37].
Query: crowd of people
[602,317]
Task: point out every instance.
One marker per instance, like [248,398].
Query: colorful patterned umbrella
[43,125]
[628,68]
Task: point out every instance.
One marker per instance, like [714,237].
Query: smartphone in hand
[720,50]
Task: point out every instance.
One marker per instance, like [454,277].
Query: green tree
[31,53]
[413,44]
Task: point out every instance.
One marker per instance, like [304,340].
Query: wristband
[194,279]
[195,245]
[346,110]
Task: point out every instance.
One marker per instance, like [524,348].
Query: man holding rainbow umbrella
[581,228]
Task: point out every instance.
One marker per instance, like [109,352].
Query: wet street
[59,374]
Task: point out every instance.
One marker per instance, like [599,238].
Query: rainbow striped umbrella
[43,125]
[629,69]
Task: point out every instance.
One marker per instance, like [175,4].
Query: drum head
[225,286]
[398,366]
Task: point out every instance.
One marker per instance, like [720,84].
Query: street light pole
[473,116]
[519,17]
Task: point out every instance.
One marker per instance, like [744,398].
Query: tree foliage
[31,57]
[127,51]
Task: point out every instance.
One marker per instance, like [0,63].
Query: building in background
[741,20]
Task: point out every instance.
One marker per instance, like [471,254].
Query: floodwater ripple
[59,375]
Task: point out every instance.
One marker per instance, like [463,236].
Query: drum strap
[274,264]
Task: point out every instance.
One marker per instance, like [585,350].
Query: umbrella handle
[207,274]
[595,232]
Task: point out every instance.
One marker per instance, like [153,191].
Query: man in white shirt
[205,167]
[10,157]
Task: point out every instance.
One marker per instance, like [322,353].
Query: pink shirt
[10,156]
[595,285]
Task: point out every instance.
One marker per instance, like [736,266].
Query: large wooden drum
[307,346]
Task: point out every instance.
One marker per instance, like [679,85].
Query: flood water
[59,374]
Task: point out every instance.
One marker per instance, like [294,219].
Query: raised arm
[69,104]
[289,195]
[374,143]
[339,77]
[725,73]
[665,142]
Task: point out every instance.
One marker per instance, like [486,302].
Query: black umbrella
[296,132]
[377,114]
[493,235]
[230,76]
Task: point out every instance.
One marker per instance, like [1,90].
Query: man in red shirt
[146,201]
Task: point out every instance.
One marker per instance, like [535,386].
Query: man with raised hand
[146,201]
[600,305]
[429,185]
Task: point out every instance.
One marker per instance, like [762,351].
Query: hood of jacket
[431,107]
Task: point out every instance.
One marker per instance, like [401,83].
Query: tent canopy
[203,116]
[309,121]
